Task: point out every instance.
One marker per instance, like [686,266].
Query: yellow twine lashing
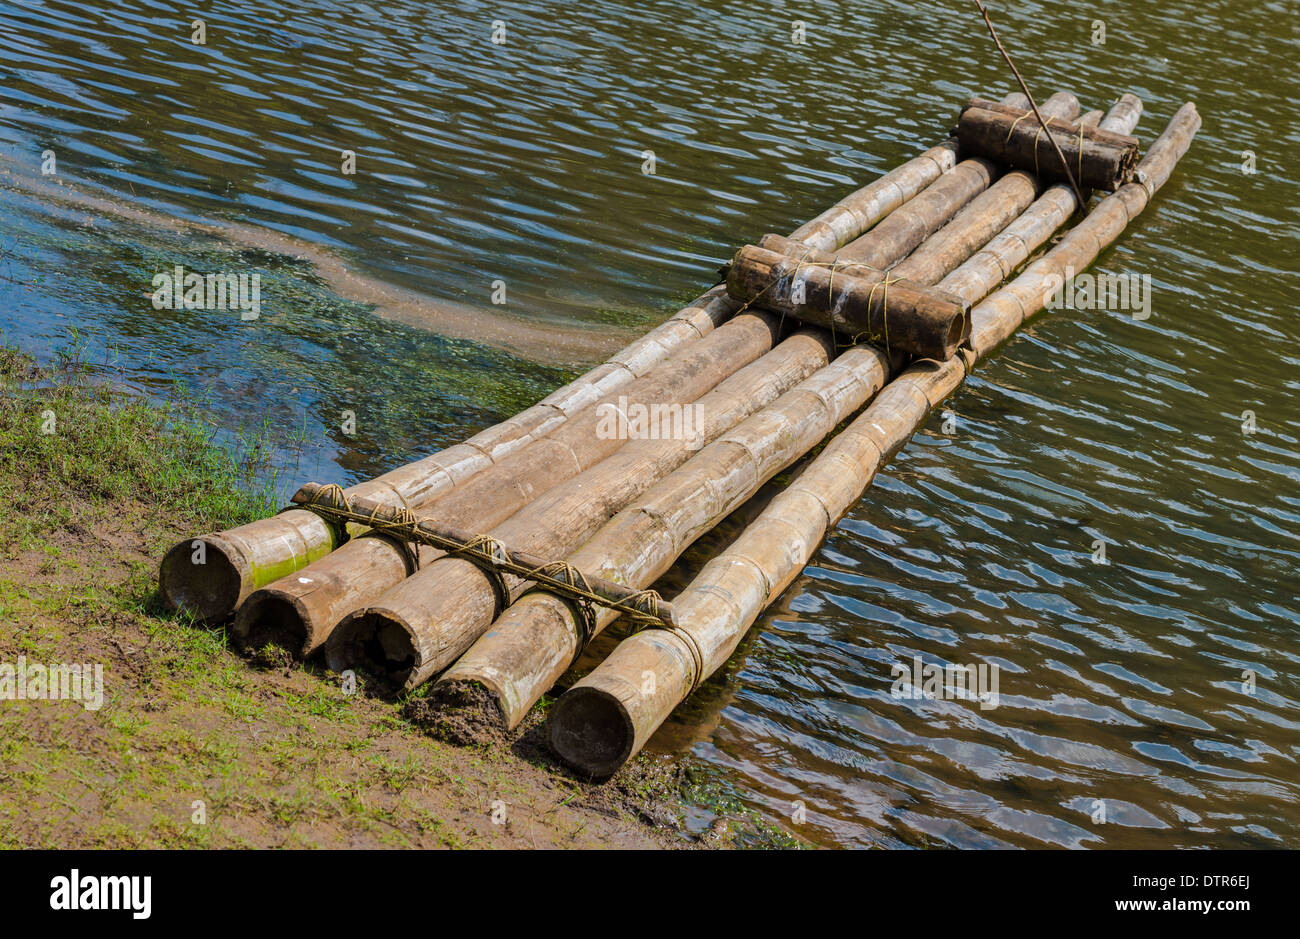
[1013,125]
[884,305]
[1038,137]
[489,554]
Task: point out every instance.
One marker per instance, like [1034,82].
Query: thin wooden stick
[1078,195]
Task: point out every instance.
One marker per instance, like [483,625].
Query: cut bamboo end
[208,591]
[273,618]
[377,644]
[591,731]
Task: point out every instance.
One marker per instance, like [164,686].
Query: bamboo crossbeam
[609,715]
[903,230]
[854,301]
[1099,159]
[1005,252]
[558,577]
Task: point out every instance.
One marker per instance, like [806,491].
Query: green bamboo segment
[608,716]
[210,576]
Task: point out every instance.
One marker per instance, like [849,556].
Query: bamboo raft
[491,565]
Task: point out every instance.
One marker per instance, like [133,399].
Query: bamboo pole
[903,230]
[210,576]
[608,716]
[298,612]
[1080,199]
[857,212]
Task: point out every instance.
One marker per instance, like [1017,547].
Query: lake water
[1162,685]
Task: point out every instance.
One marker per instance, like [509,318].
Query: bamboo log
[857,212]
[508,669]
[982,218]
[407,527]
[853,300]
[903,230]
[607,717]
[299,612]
[1098,159]
[210,576]
[422,624]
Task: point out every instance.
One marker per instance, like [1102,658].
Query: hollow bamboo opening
[207,591]
[591,731]
[268,619]
[375,644]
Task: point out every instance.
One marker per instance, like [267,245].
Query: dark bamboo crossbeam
[552,576]
[1074,185]
[855,301]
[1098,159]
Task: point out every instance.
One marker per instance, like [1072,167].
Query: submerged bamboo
[608,716]
[298,612]
[210,576]
[422,624]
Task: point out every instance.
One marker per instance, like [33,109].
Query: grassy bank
[192,745]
